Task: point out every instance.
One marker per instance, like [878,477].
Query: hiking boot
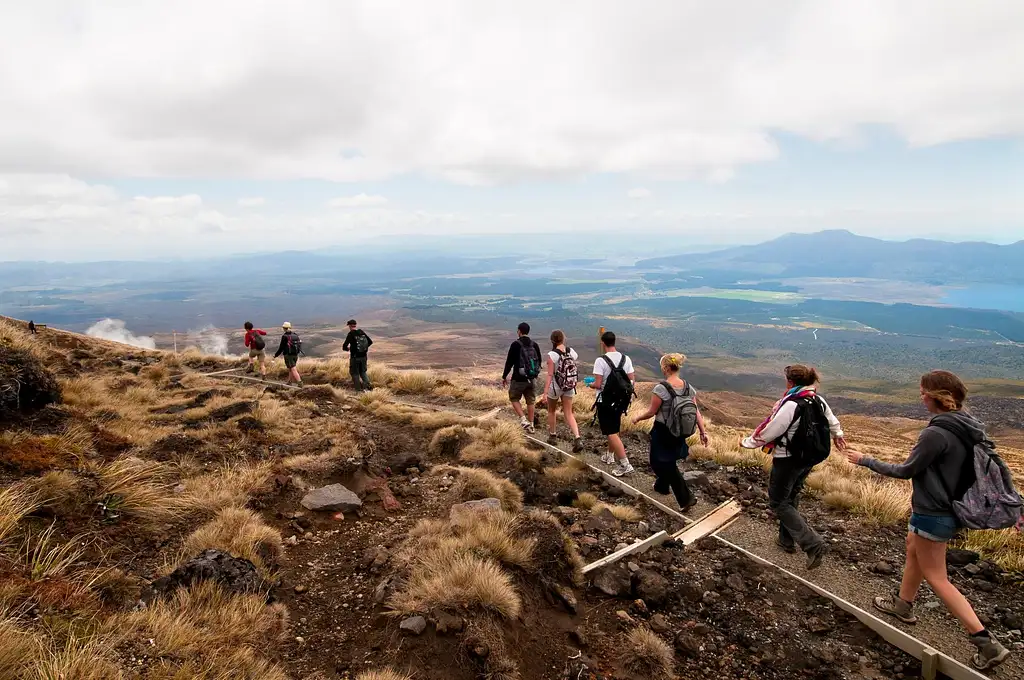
[524,423]
[608,458]
[785,547]
[248,369]
[816,555]
[895,606]
[552,438]
[991,652]
[577,445]
[622,470]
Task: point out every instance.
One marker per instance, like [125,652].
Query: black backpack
[617,389]
[529,359]
[812,441]
[361,343]
[257,342]
[293,345]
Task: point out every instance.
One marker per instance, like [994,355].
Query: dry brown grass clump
[1005,547]
[647,656]
[31,454]
[412,382]
[493,535]
[137,488]
[476,396]
[477,484]
[382,674]
[571,470]
[15,503]
[449,441]
[230,486]
[26,384]
[462,582]
[588,501]
[240,532]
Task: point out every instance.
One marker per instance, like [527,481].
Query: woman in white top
[561,387]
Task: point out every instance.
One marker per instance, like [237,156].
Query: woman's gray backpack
[991,502]
[682,411]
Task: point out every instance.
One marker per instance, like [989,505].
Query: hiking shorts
[556,393]
[610,419]
[260,354]
[290,360]
[518,389]
[934,528]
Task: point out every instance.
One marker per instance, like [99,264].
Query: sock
[983,633]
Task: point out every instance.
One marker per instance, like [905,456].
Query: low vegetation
[647,656]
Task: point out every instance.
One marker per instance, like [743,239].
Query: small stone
[660,624]
[414,624]
[604,521]
[621,546]
[578,637]
[446,623]
[960,558]
[695,478]
[333,497]
[625,618]
[1017,646]
[463,513]
[932,604]
[884,568]
[633,567]
[643,527]
[817,626]
[299,589]
[291,540]
[300,640]
[735,581]
[972,569]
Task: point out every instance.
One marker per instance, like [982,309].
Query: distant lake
[1010,298]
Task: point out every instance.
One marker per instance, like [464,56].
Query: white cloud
[639,193]
[483,93]
[357,201]
[252,202]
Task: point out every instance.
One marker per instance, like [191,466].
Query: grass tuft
[460,582]
[476,484]
[240,532]
[647,656]
[382,674]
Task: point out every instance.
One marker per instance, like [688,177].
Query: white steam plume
[115,329]
[209,340]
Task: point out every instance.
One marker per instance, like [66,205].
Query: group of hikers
[958,480]
[357,343]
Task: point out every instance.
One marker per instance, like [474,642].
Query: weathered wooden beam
[929,664]
[638,547]
[709,523]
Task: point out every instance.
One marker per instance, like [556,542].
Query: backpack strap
[801,406]
[608,361]
[622,362]
[671,391]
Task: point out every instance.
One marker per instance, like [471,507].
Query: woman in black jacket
[941,471]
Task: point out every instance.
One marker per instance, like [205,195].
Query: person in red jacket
[256,344]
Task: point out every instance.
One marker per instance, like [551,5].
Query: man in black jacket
[357,342]
[523,362]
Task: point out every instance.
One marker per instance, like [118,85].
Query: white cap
[286,324]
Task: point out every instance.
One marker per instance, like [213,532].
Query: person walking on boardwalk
[941,469]
[614,381]
[797,435]
[291,348]
[257,348]
[357,343]
[523,365]
[560,388]
[32,326]
[676,418]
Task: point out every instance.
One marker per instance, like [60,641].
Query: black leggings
[669,477]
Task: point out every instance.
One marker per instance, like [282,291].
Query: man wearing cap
[290,347]
[357,342]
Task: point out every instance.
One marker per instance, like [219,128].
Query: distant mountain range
[842,254]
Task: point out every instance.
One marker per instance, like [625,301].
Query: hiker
[31,326]
[796,435]
[257,346]
[290,347]
[523,363]
[941,468]
[613,379]
[563,374]
[676,418]
[357,343]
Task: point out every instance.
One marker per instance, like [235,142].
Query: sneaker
[530,429]
[608,458]
[991,652]
[622,470]
[525,424]
[816,555]
[552,438]
[785,547]
[577,445]
[894,606]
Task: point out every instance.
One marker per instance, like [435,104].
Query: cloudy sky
[152,129]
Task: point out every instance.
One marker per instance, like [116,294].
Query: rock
[383,590]
[961,558]
[401,462]
[818,626]
[300,640]
[660,624]
[696,478]
[932,604]
[735,581]
[884,568]
[414,624]
[567,597]
[1012,620]
[232,410]
[234,574]
[613,580]
[972,569]
[603,521]
[651,587]
[332,498]
[643,528]
[291,540]
[633,567]
[374,558]
[984,586]
[688,645]
[446,623]
[625,618]
[621,546]
[701,629]
[463,514]
[299,589]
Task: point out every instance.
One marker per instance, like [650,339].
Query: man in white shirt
[614,375]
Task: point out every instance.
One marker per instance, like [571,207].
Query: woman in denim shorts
[941,467]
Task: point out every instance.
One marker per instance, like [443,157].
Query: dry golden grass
[15,503]
[447,442]
[378,395]
[472,395]
[240,532]
[647,656]
[86,393]
[137,488]
[203,625]
[381,375]
[626,513]
[463,582]
[45,557]
[585,500]
[228,487]
[1005,547]
[476,484]
[493,535]
[382,674]
[571,470]
[412,382]
[75,659]
[18,650]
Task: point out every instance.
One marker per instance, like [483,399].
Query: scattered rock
[374,558]
[688,645]
[735,581]
[961,558]
[625,618]
[463,513]
[414,624]
[818,626]
[1012,620]
[651,587]
[446,623]
[613,580]
[566,597]
[234,574]
[884,568]
[401,462]
[299,589]
[972,569]
[603,521]
[696,478]
[578,637]
[660,624]
[633,566]
[333,497]
[291,540]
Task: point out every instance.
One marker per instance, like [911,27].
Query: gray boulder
[696,478]
[414,624]
[332,498]
[464,513]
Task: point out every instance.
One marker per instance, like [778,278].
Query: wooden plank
[182,375]
[490,414]
[929,664]
[708,523]
[638,547]
[265,382]
[894,636]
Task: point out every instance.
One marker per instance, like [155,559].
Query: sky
[204,128]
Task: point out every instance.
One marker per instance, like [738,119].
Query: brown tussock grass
[461,582]
[477,484]
[138,488]
[240,532]
[382,674]
[412,382]
[473,395]
[647,655]
[492,535]
[625,513]
[230,486]
[1004,546]
[571,470]
[15,503]
[585,500]
[447,442]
